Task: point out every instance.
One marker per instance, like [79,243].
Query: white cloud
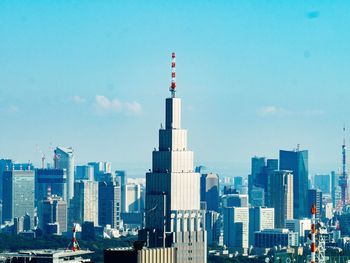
[272,110]
[278,111]
[12,108]
[9,109]
[78,99]
[104,105]
[133,107]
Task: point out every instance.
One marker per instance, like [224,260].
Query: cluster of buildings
[181,213]
[49,200]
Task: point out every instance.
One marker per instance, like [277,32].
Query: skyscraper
[53,179]
[52,210]
[133,198]
[314,196]
[297,162]
[236,228]
[257,165]
[64,159]
[282,197]
[323,182]
[5,165]
[85,202]
[173,190]
[84,172]
[260,218]
[109,203]
[122,179]
[18,194]
[210,191]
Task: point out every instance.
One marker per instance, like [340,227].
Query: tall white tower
[173,215]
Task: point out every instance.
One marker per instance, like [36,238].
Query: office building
[84,172]
[52,211]
[238,183]
[236,228]
[18,194]
[282,196]
[5,165]
[257,165]
[173,192]
[297,162]
[140,255]
[122,179]
[212,226]
[269,238]
[100,168]
[300,226]
[52,180]
[64,159]
[236,200]
[344,221]
[314,196]
[85,202]
[257,196]
[265,181]
[109,204]
[323,182]
[133,198]
[210,191]
[260,218]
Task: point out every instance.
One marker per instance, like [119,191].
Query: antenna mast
[173,75]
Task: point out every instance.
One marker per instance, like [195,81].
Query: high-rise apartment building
[18,194]
[85,202]
[64,159]
[282,196]
[297,162]
[173,215]
[260,218]
[210,191]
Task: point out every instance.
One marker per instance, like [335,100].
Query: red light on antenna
[173,55]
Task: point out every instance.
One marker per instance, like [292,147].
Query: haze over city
[93,75]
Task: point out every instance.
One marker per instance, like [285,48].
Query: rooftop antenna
[173,75]
[74,242]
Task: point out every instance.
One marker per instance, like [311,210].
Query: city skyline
[69,82]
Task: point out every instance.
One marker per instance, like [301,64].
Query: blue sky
[254,76]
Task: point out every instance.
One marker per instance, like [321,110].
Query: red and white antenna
[173,75]
[313,233]
[74,242]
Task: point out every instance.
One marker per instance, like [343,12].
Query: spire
[173,75]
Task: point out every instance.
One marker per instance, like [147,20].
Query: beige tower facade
[173,215]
